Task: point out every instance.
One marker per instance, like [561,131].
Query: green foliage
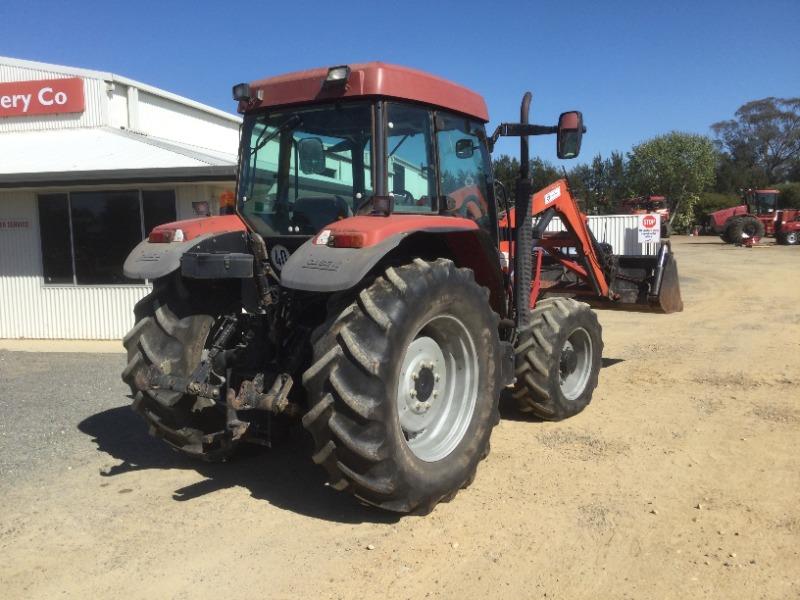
[762,144]
[685,217]
[790,194]
[603,184]
[543,173]
[506,170]
[709,202]
[674,164]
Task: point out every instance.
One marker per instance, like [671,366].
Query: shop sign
[649,228]
[6,224]
[41,97]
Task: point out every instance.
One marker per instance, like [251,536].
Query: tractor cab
[306,165]
[761,202]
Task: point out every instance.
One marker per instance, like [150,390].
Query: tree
[764,137]
[677,165]
[603,183]
[506,171]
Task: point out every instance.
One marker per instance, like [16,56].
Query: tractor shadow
[284,476]
[510,412]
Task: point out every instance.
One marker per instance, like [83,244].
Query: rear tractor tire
[558,359]
[749,226]
[728,231]
[172,326]
[404,386]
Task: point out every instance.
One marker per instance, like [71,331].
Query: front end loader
[361,288]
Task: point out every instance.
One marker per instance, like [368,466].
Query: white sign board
[649,228]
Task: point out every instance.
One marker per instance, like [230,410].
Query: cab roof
[367,79]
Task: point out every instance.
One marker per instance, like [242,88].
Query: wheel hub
[569,360]
[421,382]
[437,388]
[425,383]
[575,364]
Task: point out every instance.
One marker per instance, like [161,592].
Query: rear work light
[243,93]
[165,236]
[337,76]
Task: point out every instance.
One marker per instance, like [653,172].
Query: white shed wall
[621,231]
[170,120]
[31,309]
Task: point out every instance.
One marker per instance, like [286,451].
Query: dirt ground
[681,480]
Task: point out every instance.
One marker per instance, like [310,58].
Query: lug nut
[436,377]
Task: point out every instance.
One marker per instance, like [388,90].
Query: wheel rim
[575,364]
[438,388]
[791,238]
[750,229]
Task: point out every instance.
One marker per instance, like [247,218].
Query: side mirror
[312,155]
[570,133]
[465,148]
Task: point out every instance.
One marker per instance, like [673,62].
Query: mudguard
[210,255]
[317,268]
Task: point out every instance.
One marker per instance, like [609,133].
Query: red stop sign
[649,221]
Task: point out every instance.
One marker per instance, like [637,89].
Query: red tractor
[359,288]
[756,217]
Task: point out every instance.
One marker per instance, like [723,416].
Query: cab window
[463,168]
[409,158]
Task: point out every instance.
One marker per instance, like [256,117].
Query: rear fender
[319,268]
[210,255]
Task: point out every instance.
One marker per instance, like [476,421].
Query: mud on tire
[172,325]
[558,359]
[358,383]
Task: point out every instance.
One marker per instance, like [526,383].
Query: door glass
[463,172]
[408,146]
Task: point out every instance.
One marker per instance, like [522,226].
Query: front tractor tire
[172,326]
[404,386]
[742,227]
[558,359]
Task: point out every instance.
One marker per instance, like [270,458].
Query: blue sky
[635,68]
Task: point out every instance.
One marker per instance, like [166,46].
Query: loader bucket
[646,284]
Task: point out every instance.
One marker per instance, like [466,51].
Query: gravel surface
[680,480]
[53,403]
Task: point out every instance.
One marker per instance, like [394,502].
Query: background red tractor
[757,216]
[359,289]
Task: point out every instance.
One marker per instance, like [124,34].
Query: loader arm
[557,199]
[573,263]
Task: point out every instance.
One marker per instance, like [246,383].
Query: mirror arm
[519,130]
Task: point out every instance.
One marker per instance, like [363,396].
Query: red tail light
[165,236]
[354,239]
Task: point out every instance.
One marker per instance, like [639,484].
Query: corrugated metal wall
[621,231]
[30,309]
[94,91]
